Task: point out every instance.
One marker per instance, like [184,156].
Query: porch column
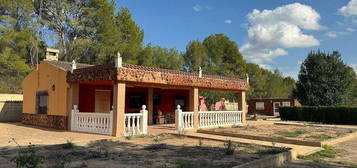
[194,106]
[242,105]
[72,99]
[119,109]
[150,105]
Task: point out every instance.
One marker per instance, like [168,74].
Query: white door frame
[276,113]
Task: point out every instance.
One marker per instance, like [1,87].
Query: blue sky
[280,37]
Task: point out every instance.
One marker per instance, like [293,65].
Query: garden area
[144,151]
[266,130]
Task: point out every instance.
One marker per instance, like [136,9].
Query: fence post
[73,117]
[110,122]
[178,118]
[144,120]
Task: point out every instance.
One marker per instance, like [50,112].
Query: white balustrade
[209,119]
[100,123]
[136,123]
[184,120]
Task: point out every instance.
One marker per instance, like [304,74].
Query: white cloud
[228,21]
[297,14]
[350,9]
[197,8]
[331,34]
[259,55]
[350,29]
[270,31]
[266,66]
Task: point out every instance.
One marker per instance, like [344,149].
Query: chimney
[200,72]
[52,54]
[118,61]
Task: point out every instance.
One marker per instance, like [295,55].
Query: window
[41,102]
[259,105]
[157,100]
[180,100]
[286,104]
[136,100]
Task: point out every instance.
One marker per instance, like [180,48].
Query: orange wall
[42,80]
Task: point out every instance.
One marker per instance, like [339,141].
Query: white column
[144,120]
[73,117]
[178,118]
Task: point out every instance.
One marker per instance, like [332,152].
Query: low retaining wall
[44,120]
[10,111]
[261,138]
[282,140]
[271,161]
[340,139]
[267,162]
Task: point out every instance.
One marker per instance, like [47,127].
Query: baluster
[138,124]
[129,125]
[204,119]
[184,120]
[134,125]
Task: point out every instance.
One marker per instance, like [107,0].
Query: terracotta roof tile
[66,66]
[145,68]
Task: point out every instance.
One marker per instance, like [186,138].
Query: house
[122,99]
[269,106]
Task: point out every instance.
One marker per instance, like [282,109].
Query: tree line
[93,31]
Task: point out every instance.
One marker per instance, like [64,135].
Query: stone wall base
[44,120]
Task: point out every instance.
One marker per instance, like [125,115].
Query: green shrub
[321,114]
[28,158]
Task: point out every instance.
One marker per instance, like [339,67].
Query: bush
[321,114]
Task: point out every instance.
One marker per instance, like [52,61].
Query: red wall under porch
[86,100]
[166,104]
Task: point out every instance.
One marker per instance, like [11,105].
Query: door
[276,108]
[102,100]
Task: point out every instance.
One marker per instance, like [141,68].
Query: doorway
[276,108]
[102,101]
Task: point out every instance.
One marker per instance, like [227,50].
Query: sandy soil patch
[304,133]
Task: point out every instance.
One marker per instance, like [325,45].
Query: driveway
[25,134]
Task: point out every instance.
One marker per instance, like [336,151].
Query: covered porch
[124,100]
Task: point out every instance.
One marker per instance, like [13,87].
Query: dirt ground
[306,133]
[146,151]
[346,157]
[347,152]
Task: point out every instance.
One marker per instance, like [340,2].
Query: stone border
[262,138]
[339,139]
[271,161]
[283,140]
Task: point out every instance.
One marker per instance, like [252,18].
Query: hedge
[321,114]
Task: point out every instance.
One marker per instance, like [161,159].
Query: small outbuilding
[270,106]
